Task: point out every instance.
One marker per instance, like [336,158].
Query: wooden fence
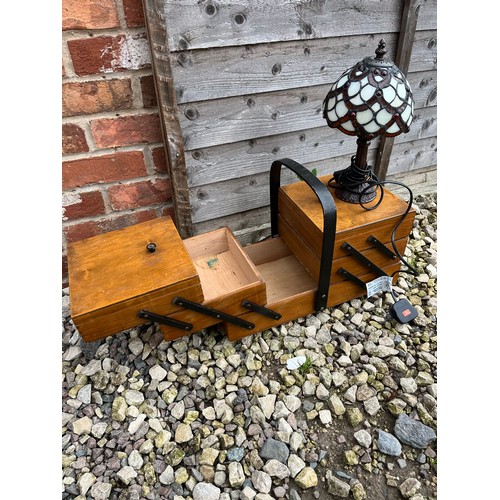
[240,83]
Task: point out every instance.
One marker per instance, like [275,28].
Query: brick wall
[113,172]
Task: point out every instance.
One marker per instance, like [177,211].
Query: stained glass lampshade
[371,99]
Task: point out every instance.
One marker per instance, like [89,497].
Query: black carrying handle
[329,220]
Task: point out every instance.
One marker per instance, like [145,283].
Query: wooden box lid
[113,275]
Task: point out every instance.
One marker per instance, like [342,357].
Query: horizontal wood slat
[227,161]
[249,192]
[223,121]
[230,71]
[204,24]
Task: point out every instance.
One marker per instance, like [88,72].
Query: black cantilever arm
[329,220]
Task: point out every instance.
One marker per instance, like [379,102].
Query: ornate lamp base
[350,185]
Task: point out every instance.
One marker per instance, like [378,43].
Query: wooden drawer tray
[291,291]
[227,278]
[113,276]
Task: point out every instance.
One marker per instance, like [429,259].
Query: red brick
[64,274]
[139,194]
[108,54]
[73,139]
[78,205]
[90,14]
[94,97]
[167,211]
[148,92]
[126,130]
[82,230]
[134,13]
[107,168]
[160,160]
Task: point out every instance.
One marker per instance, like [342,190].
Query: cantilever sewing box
[321,253]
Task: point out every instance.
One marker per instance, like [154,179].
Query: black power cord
[362,182]
[353,177]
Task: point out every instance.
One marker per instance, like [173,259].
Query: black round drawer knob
[151,247]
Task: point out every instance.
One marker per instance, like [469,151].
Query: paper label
[380,284]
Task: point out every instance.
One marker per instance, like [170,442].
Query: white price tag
[380,284]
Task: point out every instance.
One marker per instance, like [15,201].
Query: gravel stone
[276,469]
[363,438]
[388,444]
[306,478]
[413,432]
[261,481]
[126,474]
[236,475]
[337,487]
[295,464]
[82,426]
[273,449]
[409,487]
[206,491]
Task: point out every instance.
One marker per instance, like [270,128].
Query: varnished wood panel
[302,304]
[302,210]
[112,267]
[112,276]
[341,258]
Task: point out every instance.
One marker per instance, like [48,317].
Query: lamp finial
[381,51]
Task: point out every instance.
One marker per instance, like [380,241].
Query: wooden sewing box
[146,272]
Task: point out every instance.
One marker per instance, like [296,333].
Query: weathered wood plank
[197,25]
[403,55]
[222,121]
[412,155]
[230,71]
[227,161]
[249,192]
[171,130]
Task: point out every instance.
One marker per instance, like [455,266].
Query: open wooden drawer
[291,290]
[228,277]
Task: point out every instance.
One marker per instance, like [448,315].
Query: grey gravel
[413,432]
[203,417]
[388,444]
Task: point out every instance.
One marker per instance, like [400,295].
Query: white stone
[363,438]
[295,464]
[101,491]
[292,402]
[157,373]
[236,474]
[136,424]
[135,460]
[408,385]
[82,426]
[325,416]
[85,482]
[167,476]
[136,346]
[126,474]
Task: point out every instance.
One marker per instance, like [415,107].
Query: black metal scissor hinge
[351,277]
[380,246]
[362,259]
[165,320]
[261,310]
[214,313]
